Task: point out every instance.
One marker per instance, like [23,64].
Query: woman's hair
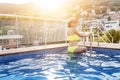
[71,21]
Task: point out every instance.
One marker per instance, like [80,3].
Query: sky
[15,1]
[46,5]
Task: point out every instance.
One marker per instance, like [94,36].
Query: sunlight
[49,5]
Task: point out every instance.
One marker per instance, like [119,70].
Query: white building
[114,24]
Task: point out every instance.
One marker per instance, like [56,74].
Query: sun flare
[48,5]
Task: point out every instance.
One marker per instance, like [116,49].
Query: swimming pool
[55,64]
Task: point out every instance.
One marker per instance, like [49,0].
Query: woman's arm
[81,34]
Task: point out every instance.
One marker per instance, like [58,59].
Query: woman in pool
[73,37]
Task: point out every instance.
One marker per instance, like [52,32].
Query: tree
[115,34]
[6,28]
[119,35]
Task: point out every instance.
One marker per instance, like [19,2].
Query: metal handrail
[105,34]
[98,24]
[109,35]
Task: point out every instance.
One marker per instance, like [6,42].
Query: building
[113,24]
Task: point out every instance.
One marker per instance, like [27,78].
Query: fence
[19,31]
[35,31]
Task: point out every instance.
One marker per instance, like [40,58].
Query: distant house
[116,17]
[111,12]
[112,15]
[114,24]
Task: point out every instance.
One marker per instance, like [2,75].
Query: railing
[96,26]
[100,24]
[35,31]
[106,36]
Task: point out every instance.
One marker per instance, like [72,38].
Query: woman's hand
[88,34]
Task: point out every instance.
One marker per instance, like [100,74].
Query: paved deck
[103,45]
[29,49]
[38,48]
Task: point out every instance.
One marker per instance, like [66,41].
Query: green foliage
[6,28]
[118,35]
[1,32]
[109,18]
[115,34]
[106,39]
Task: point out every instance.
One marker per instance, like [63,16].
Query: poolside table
[11,39]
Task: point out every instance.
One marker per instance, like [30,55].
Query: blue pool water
[56,64]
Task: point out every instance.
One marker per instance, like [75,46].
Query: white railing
[35,30]
[97,25]
[106,35]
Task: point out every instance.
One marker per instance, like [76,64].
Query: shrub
[115,34]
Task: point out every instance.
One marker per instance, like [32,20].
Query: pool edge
[47,47]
